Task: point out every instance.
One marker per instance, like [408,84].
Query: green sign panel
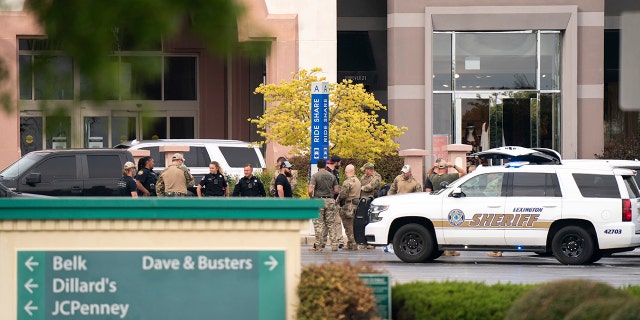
[381,290]
[151,285]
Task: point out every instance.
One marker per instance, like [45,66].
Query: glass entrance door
[490,120]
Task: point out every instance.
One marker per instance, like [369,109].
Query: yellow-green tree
[355,129]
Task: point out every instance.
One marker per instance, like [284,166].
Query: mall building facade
[533,73]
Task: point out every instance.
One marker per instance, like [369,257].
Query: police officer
[370,181]
[323,185]
[146,178]
[214,183]
[249,185]
[348,199]
[126,184]
[174,179]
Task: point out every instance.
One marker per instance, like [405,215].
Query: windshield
[20,166]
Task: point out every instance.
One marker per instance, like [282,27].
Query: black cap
[334,158]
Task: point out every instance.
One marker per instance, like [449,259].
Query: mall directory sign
[151,285]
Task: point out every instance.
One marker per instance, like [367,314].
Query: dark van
[64,173]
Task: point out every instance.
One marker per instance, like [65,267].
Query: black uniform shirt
[148,180]
[127,185]
[286,186]
[249,187]
[214,185]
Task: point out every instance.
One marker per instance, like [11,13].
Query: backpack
[383,190]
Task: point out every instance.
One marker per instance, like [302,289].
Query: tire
[573,245]
[413,243]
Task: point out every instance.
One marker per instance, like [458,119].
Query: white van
[232,155]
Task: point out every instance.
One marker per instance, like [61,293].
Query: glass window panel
[442,61]
[442,106]
[237,157]
[30,134]
[139,78]
[197,157]
[104,166]
[26,77]
[180,80]
[106,89]
[182,128]
[484,185]
[122,129]
[548,121]
[58,132]
[53,78]
[475,114]
[154,128]
[96,132]
[57,168]
[550,61]
[493,61]
[597,186]
[38,44]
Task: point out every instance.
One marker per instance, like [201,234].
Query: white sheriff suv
[578,211]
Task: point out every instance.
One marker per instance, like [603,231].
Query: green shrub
[556,300]
[627,150]
[334,291]
[629,311]
[453,300]
[598,309]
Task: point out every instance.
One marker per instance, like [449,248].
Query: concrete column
[139,153]
[415,158]
[170,150]
[457,153]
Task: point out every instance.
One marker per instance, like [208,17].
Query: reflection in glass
[475,118]
[490,61]
[58,129]
[180,78]
[550,61]
[154,128]
[139,78]
[182,127]
[30,134]
[442,61]
[96,132]
[122,129]
[54,80]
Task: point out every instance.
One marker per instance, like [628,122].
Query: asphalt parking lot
[513,267]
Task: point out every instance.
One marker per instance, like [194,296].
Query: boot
[316,248]
[451,253]
[495,254]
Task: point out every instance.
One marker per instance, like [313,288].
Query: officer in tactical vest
[348,199]
[175,179]
[370,181]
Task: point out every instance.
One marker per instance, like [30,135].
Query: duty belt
[175,194]
[355,201]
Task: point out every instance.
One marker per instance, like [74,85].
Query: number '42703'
[613,231]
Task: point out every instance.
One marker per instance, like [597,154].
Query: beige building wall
[410,27]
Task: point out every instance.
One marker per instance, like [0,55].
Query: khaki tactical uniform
[370,185]
[401,185]
[327,222]
[350,194]
[173,181]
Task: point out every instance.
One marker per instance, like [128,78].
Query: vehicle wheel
[413,243]
[436,254]
[573,245]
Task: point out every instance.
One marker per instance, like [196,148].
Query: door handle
[495,206]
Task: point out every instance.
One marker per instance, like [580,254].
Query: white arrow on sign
[30,285]
[30,263]
[272,262]
[28,308]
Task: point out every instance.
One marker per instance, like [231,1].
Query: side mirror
[444,184]
[33,179]
[457,193]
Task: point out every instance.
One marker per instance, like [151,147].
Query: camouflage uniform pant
[338,227]
[326,223]
[347,213]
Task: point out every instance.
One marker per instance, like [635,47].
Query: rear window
[239,156]
[632,186]
[535,185]
[104,166]
[597,185]
[196,157]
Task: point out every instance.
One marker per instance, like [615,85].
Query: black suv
[62,173]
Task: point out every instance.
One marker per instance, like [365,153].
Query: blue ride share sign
[319,121]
